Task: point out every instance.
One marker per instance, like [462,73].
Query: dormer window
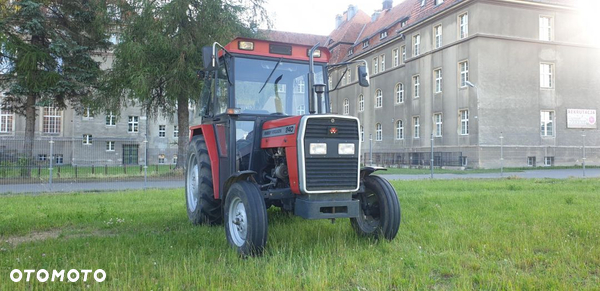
[351,51]
[365,43]
[383,34]
[422,3]
[403,23]
[438,2]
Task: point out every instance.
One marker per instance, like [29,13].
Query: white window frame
[548,161]
[547,123]
[546,75]
[463,25]
[133,124]
[383,34]
[301,109]
[175,131]
[416,127]
[416,82]
[416,45]
[464,121]
[110,146]
[438,2]
[396,57]
[7,120]
[437,36]
[52,120]
[399,93]
[375,65]
[362,133]
[399,129]
[87,114]
[111,119]
[348,76]
[378,98]
[438,120]
[365,43]
[162,130]
[437,75]
[378,132]
[346,106]
[161,159]
[463,69]
[361,103]
[350,51]
[546,31]
[403,50]
[87,139]
[299,85]
[382,62]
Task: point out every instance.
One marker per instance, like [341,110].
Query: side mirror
[363,76]
[207,57]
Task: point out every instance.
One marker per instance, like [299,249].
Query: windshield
[272,86]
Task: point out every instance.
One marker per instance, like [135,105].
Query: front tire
[246,219]
[379,213]
[202,207]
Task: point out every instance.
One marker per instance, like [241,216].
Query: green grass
[463,234]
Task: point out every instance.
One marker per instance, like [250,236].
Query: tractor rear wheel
[379,213]
[246,219]
[202,207]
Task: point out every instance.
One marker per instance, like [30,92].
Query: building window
[399,93]
[416,127]
[161,158]
[6,120]
[403,23]
[349,76]
[362,133]
[382,59]
[42,157]
[87,139]
[463,21]
[438,2]
[531,161]
[175,131]
[547,123]
[300,110]
[365,43]
[329,82]
[416,45]
[383,35]
[464,122]
[546,75]
[396,57]
[58,159]
[111,120]
[375,65]
[416,86]
[110,146]
[437,32]
[174,159]
[299,86]
[361,103]
[464,73]
[162,131]
[346,106]
[52,120]
[344,80]
[546,28]
[437,118]
[378,132]
[548,161]
[399,129]
[133,125]
[88,114]
[403,50]
[438,80]
[378,98]
[350,51]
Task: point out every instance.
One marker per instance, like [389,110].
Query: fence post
[501,155]
[75,171]
[583,160]
[93,170]
[106,170]
[125,169]
[39,171]
[51,158]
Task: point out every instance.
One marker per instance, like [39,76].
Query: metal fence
[55,160]
[416,159]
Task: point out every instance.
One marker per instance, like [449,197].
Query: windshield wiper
[270,75]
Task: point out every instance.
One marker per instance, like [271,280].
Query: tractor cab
[267,138]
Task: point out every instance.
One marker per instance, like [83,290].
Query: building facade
[489,82]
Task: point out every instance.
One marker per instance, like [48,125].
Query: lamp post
[583,159]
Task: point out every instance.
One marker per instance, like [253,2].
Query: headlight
[346,149]
[318,148]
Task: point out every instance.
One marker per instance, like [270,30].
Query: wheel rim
[192,183]
[369,217]
[238,225]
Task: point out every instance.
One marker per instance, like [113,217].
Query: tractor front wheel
[246,219]
[379,213]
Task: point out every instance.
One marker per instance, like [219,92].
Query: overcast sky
[314,16]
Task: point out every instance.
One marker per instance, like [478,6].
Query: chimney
[351,11]
[375,15]
[338,20]
[387,4]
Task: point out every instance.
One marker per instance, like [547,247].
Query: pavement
[118,186]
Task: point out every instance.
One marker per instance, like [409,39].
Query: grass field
[509,234]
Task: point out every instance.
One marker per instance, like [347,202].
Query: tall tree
[47,48]
[160,51]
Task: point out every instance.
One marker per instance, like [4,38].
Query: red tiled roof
[293,37]
[349,30]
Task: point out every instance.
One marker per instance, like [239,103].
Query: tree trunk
[183,122]
[30,116]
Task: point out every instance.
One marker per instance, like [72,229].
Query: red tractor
[267,138]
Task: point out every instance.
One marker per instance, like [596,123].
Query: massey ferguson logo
[333,130]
